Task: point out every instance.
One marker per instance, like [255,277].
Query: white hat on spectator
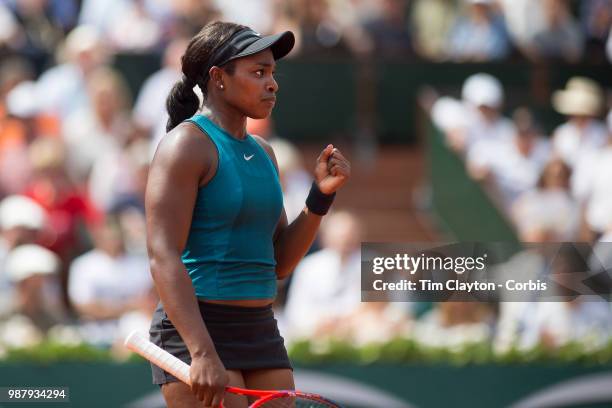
[448,113]
[483,90]
[581,96]
[21,211]
[82,38]
[29,260]
[23,101]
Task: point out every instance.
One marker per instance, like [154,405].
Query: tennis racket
[140,344]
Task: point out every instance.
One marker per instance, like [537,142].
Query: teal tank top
[229,253]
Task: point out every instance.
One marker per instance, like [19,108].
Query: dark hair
[566,171]
[182,102]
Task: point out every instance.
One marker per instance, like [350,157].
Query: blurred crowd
[457,30]
[552,188]
[75,147]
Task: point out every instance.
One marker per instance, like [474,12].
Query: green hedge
[409,351]
[335,351]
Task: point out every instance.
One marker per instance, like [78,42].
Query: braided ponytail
[182,102]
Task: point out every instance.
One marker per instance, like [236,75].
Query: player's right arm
[183,161]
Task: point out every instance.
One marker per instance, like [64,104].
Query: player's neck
[228,119]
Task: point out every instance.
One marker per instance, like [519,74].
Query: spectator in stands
[549,206]
[390,31]
[479,35]
[554,324]
[326,285]
[119,175]
[371,322]
[33,270]
[257,14]
[561,36]
[513,166]
[130,214]
[578,140]
[15,133]
[524,19]
[21,222]
[191,15]
[107,282]
[9,29]
[320,32]
[294,179]
[596,21]
[483,97]
[130,24]
[150,113]
[139,26]
[454,325]
[62,88]
[540,228]
[43,24]
[70,214]
[599,193]
[601,220]
[583,319]
[432,21]
[100,127]
[451,117]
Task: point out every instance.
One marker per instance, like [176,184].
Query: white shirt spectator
[257,14]
[599,206]
[295,180]
[322,289]
[86,142]
[588,322]
[62,90]
[150,108]
[513,172]
[431,332]
[524,18]
[97,277]
[151,103]
[479,129]
[569,142]
[117,174]
[101,13]
[551,210]
[8,25]
[469,40]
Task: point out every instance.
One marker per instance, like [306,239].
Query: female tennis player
[218,236]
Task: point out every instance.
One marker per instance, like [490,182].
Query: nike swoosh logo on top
[247,158]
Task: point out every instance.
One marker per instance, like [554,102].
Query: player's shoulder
[185,143]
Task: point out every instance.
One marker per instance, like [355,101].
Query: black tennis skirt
[245,338]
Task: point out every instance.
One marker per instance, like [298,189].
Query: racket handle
[140,344]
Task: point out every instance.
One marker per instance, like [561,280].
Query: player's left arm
[292,241]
